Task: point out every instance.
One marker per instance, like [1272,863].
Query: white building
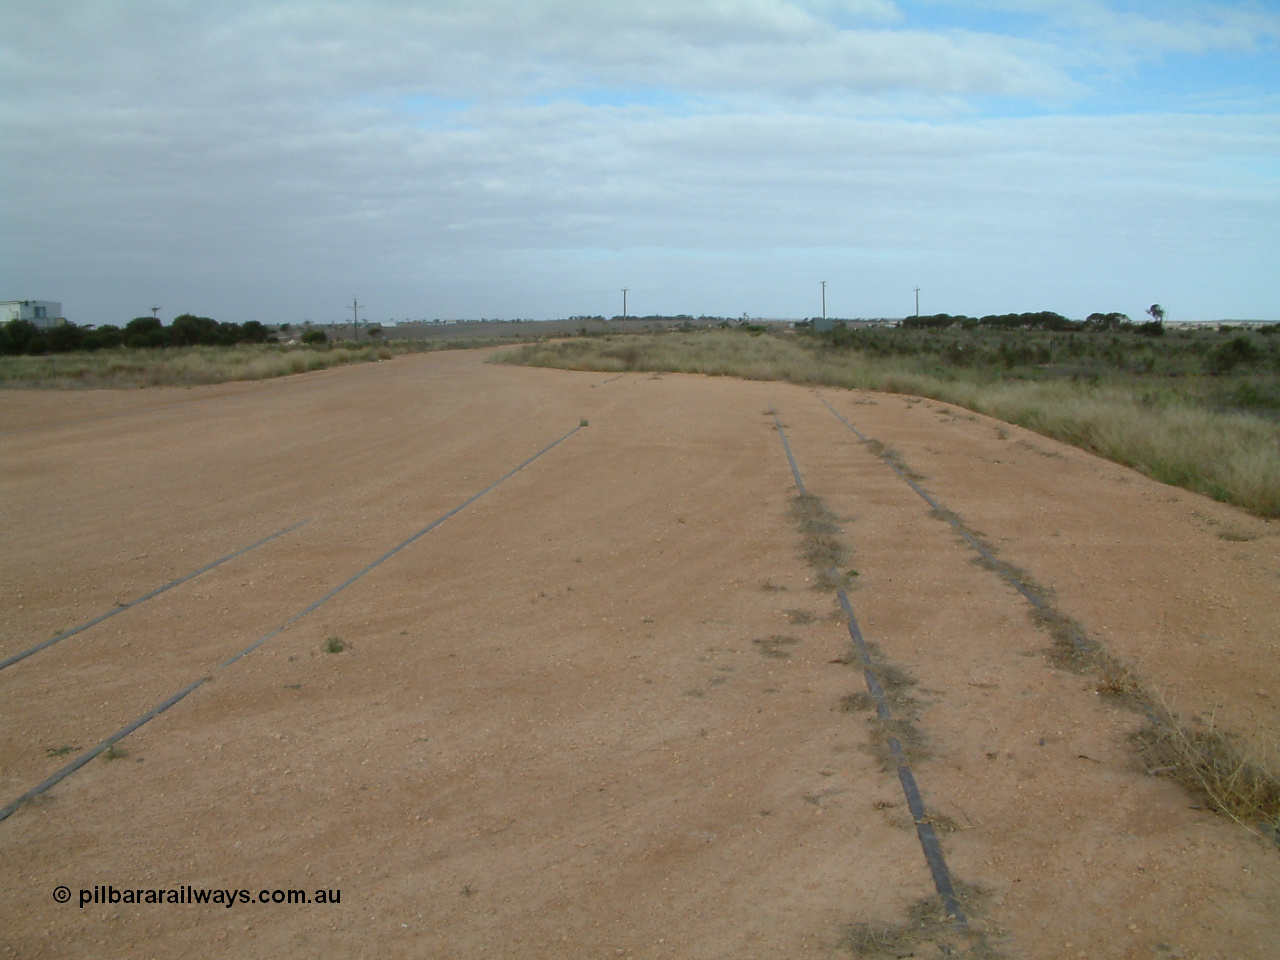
[43,313]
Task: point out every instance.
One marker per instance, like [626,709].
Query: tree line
[1043,320]
[24,337]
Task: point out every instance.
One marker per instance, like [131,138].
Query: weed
[910,740]
[927,926]
[114,752]
[799,617]
[857,702]
[334,645]
[1210,764]
[775,647]
[818,543]
[1234,536]
[61,751]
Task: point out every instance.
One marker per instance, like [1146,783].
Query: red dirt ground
[553,733]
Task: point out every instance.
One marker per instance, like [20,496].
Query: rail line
[50,782]
[22,655]
[1081,644]
[915,803]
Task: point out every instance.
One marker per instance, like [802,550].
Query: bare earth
[553,732]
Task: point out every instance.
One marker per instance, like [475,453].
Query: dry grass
[927,932]
[818,542]
[193,366]
[1233,457]
[1210,764]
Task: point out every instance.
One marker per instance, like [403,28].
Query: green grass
[1148,403]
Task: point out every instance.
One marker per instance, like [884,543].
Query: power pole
[824,299]
[155,313]
[355,319]
[624,303]
[917,301]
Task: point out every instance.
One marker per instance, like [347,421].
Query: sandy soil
[553,731]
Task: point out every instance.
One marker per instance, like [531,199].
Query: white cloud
[290,154]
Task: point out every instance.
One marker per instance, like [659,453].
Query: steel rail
[15,658]
[1002,569]
[111,741]
[927,836]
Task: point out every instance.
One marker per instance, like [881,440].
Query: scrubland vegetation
[1198,409]
[125,367]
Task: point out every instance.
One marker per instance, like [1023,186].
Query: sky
[272,159]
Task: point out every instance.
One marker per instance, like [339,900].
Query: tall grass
[1231,456]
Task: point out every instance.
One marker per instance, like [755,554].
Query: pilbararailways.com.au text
[106,894]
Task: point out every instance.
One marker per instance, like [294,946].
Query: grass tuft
[775,647]
[926,932]
[1210,764]
[334,645]
[819,544]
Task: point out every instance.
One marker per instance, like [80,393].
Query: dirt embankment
[602,711]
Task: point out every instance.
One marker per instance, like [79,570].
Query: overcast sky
[250,159]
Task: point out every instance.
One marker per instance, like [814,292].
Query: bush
[21,336]
[315,337]
[1225,357]
[145,332]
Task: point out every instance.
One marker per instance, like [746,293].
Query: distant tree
[1156,312]
[145,332]
[64,337]
[189,331]
[1108,321]
[252,331]
[105,337]
[21,336]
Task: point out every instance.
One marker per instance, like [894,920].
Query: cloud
[1154,27]
[289,154]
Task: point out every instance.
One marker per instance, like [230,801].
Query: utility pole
[624,303]
[355,319]
[917,301]
[824,299]
[155,313]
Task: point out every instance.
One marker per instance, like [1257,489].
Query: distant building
[43,313]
